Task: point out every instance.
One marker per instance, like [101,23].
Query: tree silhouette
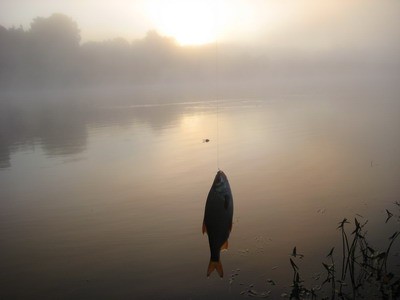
[56,31]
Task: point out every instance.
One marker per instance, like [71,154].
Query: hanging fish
[217,222]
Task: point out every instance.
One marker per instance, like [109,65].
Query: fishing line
[217,76]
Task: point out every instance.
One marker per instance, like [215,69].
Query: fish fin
[225,246]
[204,229]
[215,265]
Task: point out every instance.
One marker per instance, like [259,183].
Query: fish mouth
[220,178]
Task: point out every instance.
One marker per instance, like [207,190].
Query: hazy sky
[312,24]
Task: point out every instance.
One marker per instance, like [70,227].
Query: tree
[53,51]
[58,30]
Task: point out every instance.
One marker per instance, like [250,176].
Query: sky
[305,24]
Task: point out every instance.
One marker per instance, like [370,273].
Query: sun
[190,22]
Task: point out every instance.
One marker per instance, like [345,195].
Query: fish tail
[215,265]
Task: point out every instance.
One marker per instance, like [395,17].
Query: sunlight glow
[189,22]
[191,123]
[197,22]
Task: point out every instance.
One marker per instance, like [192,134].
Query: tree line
[50,54]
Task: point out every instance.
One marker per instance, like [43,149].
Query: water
[106,201]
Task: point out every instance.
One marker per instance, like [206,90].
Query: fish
[217,223]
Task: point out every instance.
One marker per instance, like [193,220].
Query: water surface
[106,201]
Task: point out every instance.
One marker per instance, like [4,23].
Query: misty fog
[49,63]
[51,56]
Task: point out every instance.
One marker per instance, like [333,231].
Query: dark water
[106,201]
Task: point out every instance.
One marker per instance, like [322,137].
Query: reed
[364,272]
